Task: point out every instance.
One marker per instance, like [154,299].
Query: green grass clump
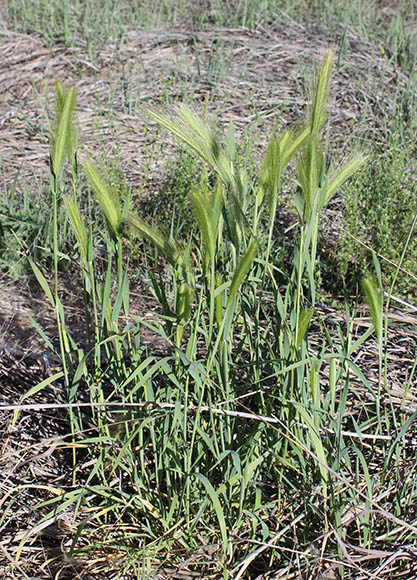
[234,431]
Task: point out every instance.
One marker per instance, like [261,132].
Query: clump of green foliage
[239,434]
[380,212]
[169,206]
[26,228]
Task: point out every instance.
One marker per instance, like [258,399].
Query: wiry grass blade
[43,282]
[35,389]
[214,498]
[315,443]
[219,300]
[303,325]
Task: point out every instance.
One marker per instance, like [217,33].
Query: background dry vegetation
[250,64]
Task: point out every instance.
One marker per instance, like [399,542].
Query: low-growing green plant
[25,228]
[233,432]
[381,204]
[169,206]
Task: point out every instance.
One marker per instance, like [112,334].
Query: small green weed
[381,203]
[169,206]
[26,228]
